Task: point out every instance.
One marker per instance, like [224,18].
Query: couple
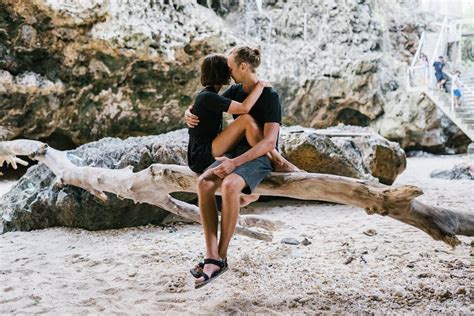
[237,158]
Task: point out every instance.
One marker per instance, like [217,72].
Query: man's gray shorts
[253,172]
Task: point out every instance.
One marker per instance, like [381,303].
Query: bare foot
[247,199]
[285,166]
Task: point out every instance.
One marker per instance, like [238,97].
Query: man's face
[235,71]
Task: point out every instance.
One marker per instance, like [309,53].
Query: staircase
[433,45]
[466,111]
[463,116]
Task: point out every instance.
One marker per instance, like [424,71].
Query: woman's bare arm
[244,107]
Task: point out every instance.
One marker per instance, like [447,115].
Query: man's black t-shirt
[209,107]
[267,109]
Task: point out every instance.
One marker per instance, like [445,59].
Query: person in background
[439,74]
[457,85]
[425,63]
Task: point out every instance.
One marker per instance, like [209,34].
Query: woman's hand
[190,119]
[266,84]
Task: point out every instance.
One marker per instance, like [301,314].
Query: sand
[355,263]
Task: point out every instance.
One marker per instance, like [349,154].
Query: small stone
[306,242]
[290,241]
[349,260]
[370,232]
[410,265]
[424,275]
[461,291]
[445,295]
[399,291]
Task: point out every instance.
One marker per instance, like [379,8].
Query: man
[242,169]
[439,74]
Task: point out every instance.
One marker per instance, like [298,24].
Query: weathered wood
[154,184]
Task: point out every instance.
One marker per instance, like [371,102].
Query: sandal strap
[218,263]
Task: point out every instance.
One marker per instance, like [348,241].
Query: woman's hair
[214,70]
[248,55]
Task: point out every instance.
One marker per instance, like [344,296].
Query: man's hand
[190,119]
[226,167]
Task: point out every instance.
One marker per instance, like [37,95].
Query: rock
[415,123]
[306,242]
[370,232]
[290,241]
[463,171]
[444,295]
[36,201]
[343,150]
[424,275]
[349,260]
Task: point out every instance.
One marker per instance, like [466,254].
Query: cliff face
[70,75]
[75,72]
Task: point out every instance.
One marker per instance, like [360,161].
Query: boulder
[38,201]
[464,171]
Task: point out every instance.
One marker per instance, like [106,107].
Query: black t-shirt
[267,109]
[209,107]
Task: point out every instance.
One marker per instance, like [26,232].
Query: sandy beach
[354,263]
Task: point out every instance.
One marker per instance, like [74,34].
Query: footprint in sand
[175,284]
[8,289]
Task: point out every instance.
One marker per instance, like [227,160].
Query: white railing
[416,72]
[413,69]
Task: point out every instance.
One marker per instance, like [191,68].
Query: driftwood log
[154,185]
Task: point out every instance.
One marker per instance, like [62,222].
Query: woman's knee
[249,121]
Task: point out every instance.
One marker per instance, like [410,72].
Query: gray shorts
[253,172]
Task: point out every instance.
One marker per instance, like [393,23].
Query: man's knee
[205,183]
[232,185]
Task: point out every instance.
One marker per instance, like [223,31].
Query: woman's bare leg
[245,125]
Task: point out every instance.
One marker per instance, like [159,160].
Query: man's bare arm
[190,119]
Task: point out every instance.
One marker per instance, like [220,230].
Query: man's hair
[214,70]
[440,57]
[245,54]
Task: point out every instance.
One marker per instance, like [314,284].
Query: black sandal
[223,268]
[197,270]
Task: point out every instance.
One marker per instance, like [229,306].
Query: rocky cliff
[73,72]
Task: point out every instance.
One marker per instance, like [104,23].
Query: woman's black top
[208,107]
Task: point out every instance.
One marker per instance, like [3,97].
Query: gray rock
[344,150]
[290,241]
[463,171]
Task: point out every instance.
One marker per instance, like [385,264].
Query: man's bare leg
[207,186]
[231,188]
